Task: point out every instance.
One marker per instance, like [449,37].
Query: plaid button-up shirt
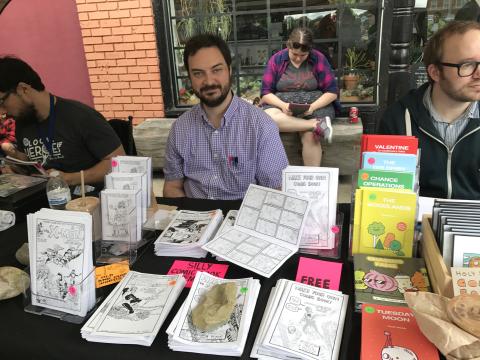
[278,64]
[221,163]
[7,131]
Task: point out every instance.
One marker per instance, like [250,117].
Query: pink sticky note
[324,274]
[190,268]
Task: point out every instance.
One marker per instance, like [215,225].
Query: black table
[27,336]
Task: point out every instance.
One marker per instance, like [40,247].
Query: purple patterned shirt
[278,64]
[221,163]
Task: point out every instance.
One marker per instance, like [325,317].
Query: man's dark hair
[14,71]
[201,41]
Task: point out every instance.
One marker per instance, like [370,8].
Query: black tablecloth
[27,336]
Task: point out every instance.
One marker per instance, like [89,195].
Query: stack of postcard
[226,339]
[266,233]
[188,232]
[455,225]
[61,260]
[135,310]
[319,184]
[301,322]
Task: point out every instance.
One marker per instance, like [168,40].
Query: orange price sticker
[110,274]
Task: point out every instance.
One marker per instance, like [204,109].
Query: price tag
[110,274]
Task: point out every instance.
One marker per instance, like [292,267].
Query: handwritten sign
[110,274]
[466,280]
[190,268]
[322,274]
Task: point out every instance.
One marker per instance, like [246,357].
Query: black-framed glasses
[5,97]
[301,47]
[464,69]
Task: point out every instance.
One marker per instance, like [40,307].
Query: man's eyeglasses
[5,97]
[301,47]
[464,69]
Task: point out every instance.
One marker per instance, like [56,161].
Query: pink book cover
[391,333]
[190,268]
[319,273]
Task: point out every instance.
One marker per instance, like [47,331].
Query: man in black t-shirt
[62,134]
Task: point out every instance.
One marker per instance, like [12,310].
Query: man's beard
[209,102]
[456,94]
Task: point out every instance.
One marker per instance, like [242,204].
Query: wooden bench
[344,151]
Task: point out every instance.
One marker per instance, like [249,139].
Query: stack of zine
[61,265]
[301,322]
[187,233]
[135,310]
[210,324]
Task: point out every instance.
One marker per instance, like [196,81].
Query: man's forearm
[93,175]
[172,189]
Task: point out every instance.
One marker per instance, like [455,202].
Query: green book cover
[386,179]
[385,280]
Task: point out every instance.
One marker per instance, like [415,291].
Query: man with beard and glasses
[444,114]
[224,144]
[62,134]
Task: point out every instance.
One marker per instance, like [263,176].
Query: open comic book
[25,166]
[228,339]
[320,185]
[187,232]
[301,322]
[12,183]
[266,233]
[61,260]
[135,310]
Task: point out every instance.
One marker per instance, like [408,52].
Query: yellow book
[357,216]
[387,224]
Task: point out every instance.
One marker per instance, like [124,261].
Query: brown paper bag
[431,314]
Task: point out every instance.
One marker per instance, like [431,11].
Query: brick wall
[122,58]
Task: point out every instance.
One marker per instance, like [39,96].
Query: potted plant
[354,59]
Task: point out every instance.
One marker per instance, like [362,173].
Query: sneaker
[323,129]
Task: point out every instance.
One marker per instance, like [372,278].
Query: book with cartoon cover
[391,332]
[384,280]
[386,224]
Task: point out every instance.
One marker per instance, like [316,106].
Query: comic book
[391,332]
[383,280]
[386,223]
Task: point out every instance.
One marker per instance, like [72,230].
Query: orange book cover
[391,333]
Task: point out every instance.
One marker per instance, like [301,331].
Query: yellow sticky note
[110,274]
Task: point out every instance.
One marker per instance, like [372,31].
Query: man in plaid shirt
[7,135]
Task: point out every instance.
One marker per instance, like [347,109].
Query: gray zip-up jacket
[444,173]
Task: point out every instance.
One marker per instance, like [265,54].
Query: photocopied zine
[301,321]
[130,181]
[135,310]
[227,339]
[135,164]
[320,185]
[61,260]
[187,232]
[266,233]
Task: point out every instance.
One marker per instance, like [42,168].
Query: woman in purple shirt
[302,75]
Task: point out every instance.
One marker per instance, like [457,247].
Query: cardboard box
[439,273]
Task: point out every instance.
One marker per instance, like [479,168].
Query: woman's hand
[286,108]
[310,110]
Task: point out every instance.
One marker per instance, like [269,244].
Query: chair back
[124,130]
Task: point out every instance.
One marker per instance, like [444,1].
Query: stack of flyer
[455,225]
[266,233]
[61,261]
[135,310]
[227,339]
[386,198]
[187,233]
[301,322]
[320,185]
